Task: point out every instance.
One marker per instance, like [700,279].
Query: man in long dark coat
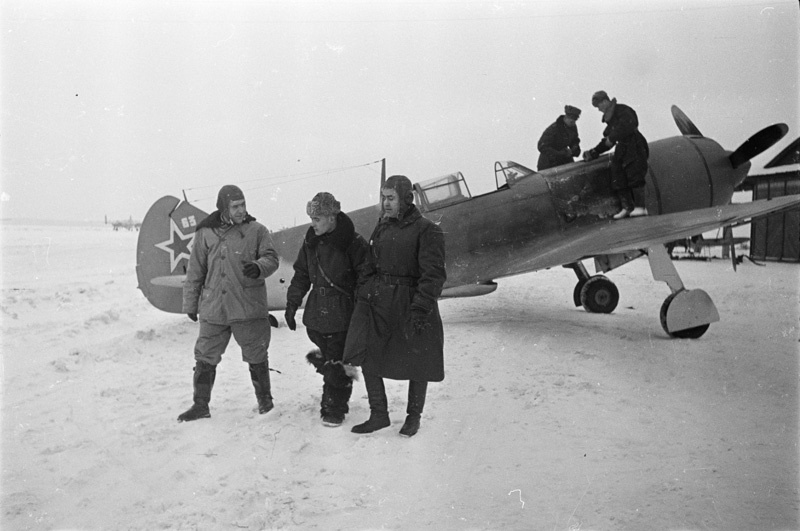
[629,162]
[396,330]
[560,143]
[327,266]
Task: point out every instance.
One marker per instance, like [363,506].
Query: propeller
[685,125]
[789,155]
[758,143]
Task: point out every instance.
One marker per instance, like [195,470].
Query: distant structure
[776,237]
[128,224]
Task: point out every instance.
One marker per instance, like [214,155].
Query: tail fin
[163,249]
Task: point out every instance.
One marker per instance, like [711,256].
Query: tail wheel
[599,295]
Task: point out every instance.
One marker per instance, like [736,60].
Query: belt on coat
[326,291]
[395,280]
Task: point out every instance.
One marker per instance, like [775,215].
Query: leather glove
[251,270]
[419,321]
[192,316]
[289,317]
[590,155]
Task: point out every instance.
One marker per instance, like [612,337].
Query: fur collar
[610,111]
[214,221]
[408,216]
[340,237]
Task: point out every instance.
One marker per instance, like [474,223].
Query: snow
[549,417]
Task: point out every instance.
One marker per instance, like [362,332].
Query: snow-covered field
[549,418]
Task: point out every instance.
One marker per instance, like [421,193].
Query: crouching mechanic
[327,267]
[231,256]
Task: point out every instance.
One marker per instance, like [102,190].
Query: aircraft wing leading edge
[640,233]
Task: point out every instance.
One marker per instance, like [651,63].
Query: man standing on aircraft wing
[396,331]
[629,162]
[231,256]
[327,265]
[560,143]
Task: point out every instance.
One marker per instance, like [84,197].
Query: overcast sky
[109,105]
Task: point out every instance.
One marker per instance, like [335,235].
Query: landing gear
[686,313]
[597,294]
[687,333]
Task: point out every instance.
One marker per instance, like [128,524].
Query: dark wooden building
[776,236]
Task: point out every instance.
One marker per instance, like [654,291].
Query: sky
[108,106]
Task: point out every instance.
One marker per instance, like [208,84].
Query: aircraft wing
[629,234]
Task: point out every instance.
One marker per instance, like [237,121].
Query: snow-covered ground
[549,417]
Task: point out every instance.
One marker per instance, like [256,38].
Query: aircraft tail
[163,249]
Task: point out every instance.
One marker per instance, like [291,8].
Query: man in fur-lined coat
[327,268]
[396,331]
[231,256]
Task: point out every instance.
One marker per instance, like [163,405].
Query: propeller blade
[685,125]
[758,143]
[789,155]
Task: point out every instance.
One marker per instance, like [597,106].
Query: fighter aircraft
[128,224]
[532,221]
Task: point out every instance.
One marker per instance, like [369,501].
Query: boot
[336,393]
[416,402]
[259,375]
[378,406]
[334,404]
[204,376]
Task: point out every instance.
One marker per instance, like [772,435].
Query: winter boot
[416,402]
[378,406]
[259,375]
[204,376]
[334,404]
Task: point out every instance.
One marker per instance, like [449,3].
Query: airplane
[128,224]
[531,221]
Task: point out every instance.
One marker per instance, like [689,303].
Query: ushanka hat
[599,96]
[572,112]
[323,204]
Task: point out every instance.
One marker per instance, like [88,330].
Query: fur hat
[572,112]
[228,193]
[323,204]
[598,97]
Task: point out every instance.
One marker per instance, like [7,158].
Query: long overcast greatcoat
[629,162]
[405,268]
[215,286]
[341,254]
[554,142]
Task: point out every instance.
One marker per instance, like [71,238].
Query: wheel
[576,293]
[599,295]
[687,333]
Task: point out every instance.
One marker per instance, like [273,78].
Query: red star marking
[178,248]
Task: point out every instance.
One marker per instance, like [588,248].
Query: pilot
[396,331]
[231,256]
[629,162]
[560,142]
[327,268]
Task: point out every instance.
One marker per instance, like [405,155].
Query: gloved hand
[251,270]
[192,316]
[590,155]
[419,320]
[289,316]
